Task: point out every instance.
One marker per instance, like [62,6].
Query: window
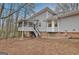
[66,30]
[50,24]
[30,24]
[74,29]
[56,24]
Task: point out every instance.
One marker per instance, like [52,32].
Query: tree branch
[13,12]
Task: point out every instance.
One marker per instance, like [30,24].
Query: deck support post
[22,30]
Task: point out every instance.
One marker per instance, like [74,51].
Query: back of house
[46,21]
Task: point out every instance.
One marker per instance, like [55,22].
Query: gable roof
[55,16]
[68,14]
[65,15]
[40,12]
[44,10]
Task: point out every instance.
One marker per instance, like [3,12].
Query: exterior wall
[73,35]
[42,19]
[27,34]
[69,24]
[44,35]
[49,14]
[56,35]
[50,29]
[44,25]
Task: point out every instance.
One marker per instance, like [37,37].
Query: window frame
[55,23]
[49,23]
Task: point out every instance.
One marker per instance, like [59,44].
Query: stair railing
[36,31]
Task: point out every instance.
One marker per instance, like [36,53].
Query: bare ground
[40,46]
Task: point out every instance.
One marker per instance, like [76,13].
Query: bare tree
[1,8]
[64,7]
[10,13]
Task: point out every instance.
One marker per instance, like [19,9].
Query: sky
[40,6]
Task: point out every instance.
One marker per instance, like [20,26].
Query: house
[46,22]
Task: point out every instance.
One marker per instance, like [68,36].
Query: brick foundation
[60,35]
[71,35]
[74,35]
[44,35]
[27,34]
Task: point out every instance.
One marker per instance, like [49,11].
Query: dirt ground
[40,46]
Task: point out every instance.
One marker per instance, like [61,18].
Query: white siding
[41,19]
[68,24]
[44,25]
[49,15]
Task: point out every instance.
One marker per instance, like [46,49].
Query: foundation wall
[27,34]
[56,35]
[73,35]
[60,35]
[44,35]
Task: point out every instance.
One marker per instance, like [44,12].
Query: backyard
[39,46]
